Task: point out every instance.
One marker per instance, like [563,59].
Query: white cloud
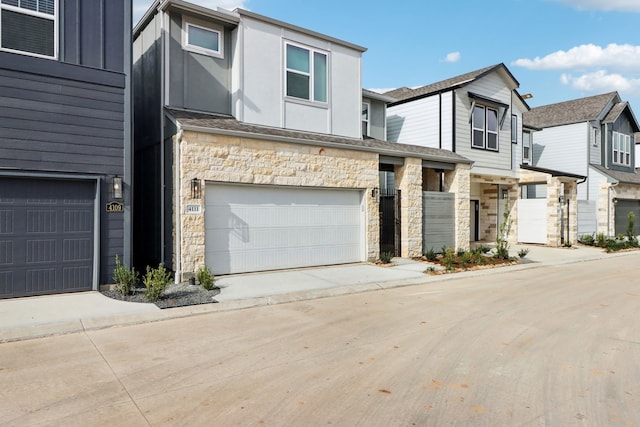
[602,81]
[452,57]
[141,6]
[623,57]
[607,5]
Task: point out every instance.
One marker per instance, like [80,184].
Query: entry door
[475,219]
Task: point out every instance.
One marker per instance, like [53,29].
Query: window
[203,39]
[595,136]
[306,73]
[514,129]
[365,119]
[484,128]
[29,26]
[526,147]
[621,149]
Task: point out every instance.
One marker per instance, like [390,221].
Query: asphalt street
[557,346]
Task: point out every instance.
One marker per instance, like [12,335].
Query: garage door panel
[46,236]
[252,228]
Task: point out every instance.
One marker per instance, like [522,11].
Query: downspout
[609,206]
[177,209]
[163,93]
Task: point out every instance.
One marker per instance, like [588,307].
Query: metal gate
[390,221]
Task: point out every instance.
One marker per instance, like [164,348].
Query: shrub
[156,281]
[461,252]
[601,240]
[587,239]
[431,269]
[386,257]
[631,235]
[431,254]
[523,252]
[484,249]
[567,244]
[205,278]
[124,278]
[466,258]
[449,258]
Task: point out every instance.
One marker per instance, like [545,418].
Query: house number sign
[193,209]
[113,207]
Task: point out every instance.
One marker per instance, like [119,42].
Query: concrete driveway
[556,345]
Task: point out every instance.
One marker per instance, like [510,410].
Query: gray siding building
[64,144]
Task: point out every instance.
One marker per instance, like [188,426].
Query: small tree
[502,242]
[156,281]
[631,234]
[124,278]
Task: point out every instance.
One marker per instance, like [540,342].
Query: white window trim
[623,151]
[485,130]
[24,11]
[514,117]
[312,51]
[368,120]
[187,22]
[526,159]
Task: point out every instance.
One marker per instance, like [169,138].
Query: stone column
[458,181]
[553,212]
[409,182]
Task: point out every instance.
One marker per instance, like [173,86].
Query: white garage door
[532,221]
[257,228]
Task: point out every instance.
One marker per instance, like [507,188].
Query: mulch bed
[176,295]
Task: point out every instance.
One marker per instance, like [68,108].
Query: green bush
[523,252]
[466,258]
[125,278]
[631,235]
[156,281]
[431,254]
[601,240]
[206,278]
[484,249]
[449,258]
[502,236]
[386,257]
[587,239]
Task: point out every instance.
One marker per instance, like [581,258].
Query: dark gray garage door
[46,236]
[623,207]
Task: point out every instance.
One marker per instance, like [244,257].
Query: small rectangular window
[526,147]
[514,129]
[306,73]
[492,129]
[29,26]
[478,127]
[365,119]
[203,39]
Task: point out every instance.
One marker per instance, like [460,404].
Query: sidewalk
[24,318]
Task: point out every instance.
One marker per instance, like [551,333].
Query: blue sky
[557,49]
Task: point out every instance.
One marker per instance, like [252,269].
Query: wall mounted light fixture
[196,189]
[375,192]
[116,187]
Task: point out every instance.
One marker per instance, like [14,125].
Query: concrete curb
[41,330]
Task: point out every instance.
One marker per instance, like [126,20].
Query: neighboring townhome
[479,115]
[64,144]
[250,153]
[594,137]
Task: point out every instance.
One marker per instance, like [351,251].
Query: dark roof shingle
[569,112]
[405,93]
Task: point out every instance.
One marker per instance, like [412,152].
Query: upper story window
[526,148]
[621,149]
[514,129]
[484,128]
[29,26]
[203,39]
[595,136]
[307,75]
[365,118]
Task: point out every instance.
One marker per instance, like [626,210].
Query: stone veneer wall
[409,181]
[458,181]
[489,206]
[218,158]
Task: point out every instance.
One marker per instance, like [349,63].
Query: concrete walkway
[32,317]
